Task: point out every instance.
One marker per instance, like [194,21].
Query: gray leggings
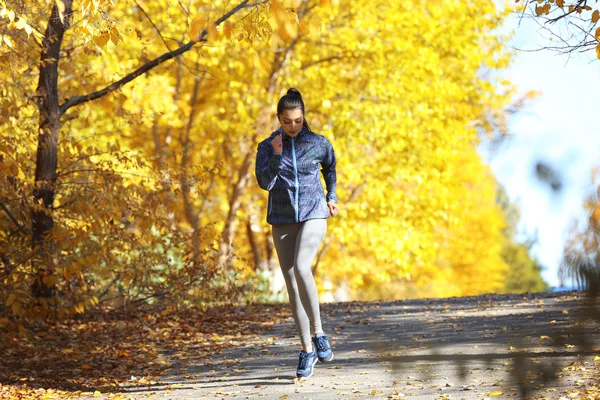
[297,246]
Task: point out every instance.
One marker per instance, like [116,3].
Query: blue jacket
[292,178]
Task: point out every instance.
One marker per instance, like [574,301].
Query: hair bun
[294,91]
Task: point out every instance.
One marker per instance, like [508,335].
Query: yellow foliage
[152,176]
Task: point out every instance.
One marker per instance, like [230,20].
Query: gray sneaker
[306,363]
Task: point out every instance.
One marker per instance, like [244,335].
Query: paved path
[462,348]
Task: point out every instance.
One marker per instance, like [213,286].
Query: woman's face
[291,121]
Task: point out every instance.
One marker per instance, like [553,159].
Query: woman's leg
[284,238]
[308,241]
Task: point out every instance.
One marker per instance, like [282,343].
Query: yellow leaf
[97,394]
[496,393]
[11,299]
[20,24]
[304,27]
[276,13]
[560,3]
[115,36]
[196,27]
[595,16]
[8,41]
[61,10]
[228,29]
[213,32]
[597,358]
[86,366]
[102,39]
[597,34]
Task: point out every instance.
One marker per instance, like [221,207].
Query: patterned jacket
[292,178]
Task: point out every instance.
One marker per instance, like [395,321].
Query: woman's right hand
[277,144]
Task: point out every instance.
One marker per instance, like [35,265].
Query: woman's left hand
[333,208]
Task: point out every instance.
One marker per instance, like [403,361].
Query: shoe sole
[327,361]
[312,371]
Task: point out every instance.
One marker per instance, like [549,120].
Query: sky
[559,128]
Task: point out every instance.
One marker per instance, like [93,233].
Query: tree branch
[76,100]
[579,4]
[12,217]
[153,24]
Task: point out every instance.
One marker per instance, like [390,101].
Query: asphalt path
[493,346]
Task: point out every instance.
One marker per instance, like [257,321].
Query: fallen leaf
[496,393]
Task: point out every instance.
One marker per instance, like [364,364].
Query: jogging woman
[287,165]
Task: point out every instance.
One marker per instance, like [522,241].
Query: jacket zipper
[295,177]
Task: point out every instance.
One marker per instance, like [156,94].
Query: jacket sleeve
[267,167]
[328,171]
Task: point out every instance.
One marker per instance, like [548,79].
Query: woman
[287,165]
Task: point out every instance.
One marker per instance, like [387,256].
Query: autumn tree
[77,199]
[403,135]
[149,192]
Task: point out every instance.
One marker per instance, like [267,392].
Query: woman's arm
[328,170]
[268,164]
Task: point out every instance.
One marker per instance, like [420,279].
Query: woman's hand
[277,144]
[333,208]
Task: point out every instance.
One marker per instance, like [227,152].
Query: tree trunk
[239,189]
[259,263]
[226,242]
[46,163]
[193,218]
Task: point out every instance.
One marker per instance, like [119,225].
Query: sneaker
[321,342]
[306,364]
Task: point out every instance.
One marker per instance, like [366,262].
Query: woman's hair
[292,101]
